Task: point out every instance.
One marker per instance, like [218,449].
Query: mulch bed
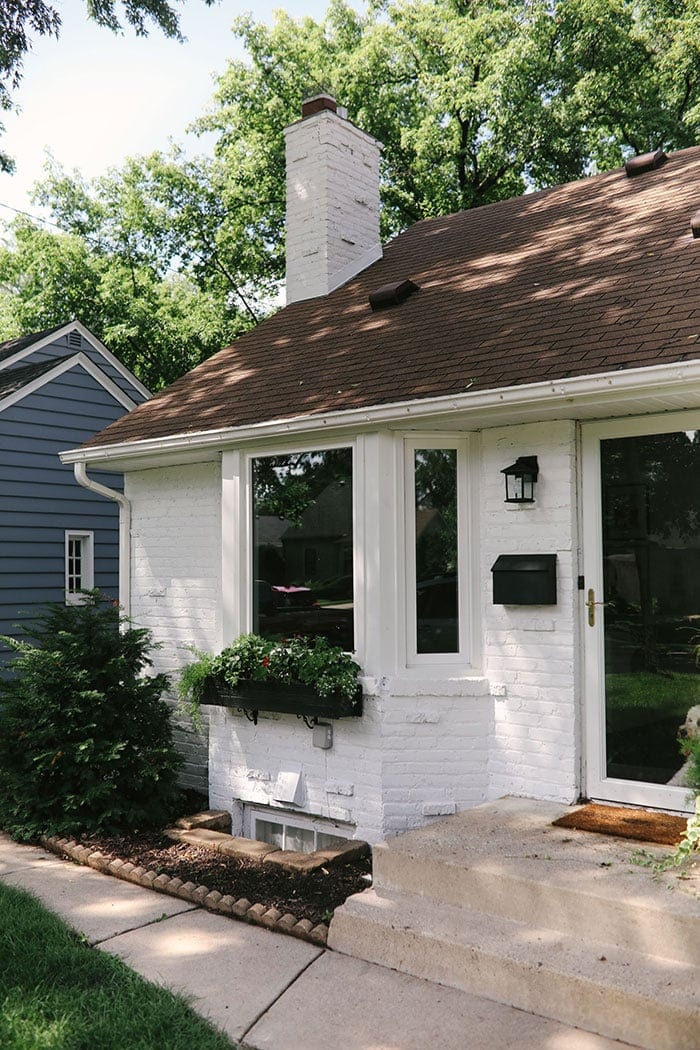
[307,895]
[660,828]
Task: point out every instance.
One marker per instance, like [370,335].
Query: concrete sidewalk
[271,992]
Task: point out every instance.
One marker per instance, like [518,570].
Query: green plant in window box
[304,676]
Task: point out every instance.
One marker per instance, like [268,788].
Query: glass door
[641,609]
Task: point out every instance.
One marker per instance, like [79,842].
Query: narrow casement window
[436,550]
[303,546]
[79,571]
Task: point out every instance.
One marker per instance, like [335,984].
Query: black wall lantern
[520,480]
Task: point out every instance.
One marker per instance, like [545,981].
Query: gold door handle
[590,605]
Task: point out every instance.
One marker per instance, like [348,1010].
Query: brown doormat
[661,828]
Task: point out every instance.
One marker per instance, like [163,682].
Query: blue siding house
[57,389]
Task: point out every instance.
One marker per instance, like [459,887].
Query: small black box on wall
[525,579]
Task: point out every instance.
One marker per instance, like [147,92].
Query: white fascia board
[607,394]
[78,326]
[66,364]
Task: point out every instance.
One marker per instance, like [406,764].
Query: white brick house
[562,325]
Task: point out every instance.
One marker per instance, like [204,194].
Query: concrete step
[620,993]
[496,859]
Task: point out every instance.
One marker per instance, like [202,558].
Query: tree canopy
[474,100]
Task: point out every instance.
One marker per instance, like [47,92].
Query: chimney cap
[317,103]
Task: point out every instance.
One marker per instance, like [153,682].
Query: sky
[92,98]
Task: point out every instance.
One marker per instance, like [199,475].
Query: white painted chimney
[332,200]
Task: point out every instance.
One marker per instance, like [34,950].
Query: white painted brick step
[622,994]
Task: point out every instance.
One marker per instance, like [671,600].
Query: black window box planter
[291,699]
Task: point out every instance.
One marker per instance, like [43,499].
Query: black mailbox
[525,579]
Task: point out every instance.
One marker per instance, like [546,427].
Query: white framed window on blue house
[303,544]
[79,565]
[439,551]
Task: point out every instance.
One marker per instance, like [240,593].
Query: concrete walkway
[267,991]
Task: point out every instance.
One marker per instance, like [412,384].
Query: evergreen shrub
[85,737]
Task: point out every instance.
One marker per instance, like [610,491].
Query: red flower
[266,661]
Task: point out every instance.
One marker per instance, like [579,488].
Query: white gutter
[80,471]
[601,389]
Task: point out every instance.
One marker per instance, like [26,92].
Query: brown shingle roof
[590,277]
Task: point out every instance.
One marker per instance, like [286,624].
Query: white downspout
[82,478]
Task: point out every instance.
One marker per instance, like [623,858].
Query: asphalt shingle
[593,276]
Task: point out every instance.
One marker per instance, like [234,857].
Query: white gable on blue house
[57,388]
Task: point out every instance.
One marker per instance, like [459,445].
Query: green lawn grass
[58,993]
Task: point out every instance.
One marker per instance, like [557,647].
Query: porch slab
[498,903]
[505,857]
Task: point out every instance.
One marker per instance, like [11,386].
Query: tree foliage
[121,264]
[474,100]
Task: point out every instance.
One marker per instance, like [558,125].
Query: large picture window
[303,545]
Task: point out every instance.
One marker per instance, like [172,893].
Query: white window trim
[466,660]
[88,564]
[237,520]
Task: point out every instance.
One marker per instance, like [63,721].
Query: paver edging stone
[201,896]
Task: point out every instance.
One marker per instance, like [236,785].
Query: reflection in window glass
[651,571]
[437,612]
[302,546]
[301,840]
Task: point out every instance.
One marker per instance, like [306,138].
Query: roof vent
[75,339]
[644,162]
[695,224]
[391,294]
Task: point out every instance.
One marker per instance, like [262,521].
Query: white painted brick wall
[332,225]
[425,746]
[342,783]
[402,763]
[176,579]
[530,653]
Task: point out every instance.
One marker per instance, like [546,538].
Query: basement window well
[299,834]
